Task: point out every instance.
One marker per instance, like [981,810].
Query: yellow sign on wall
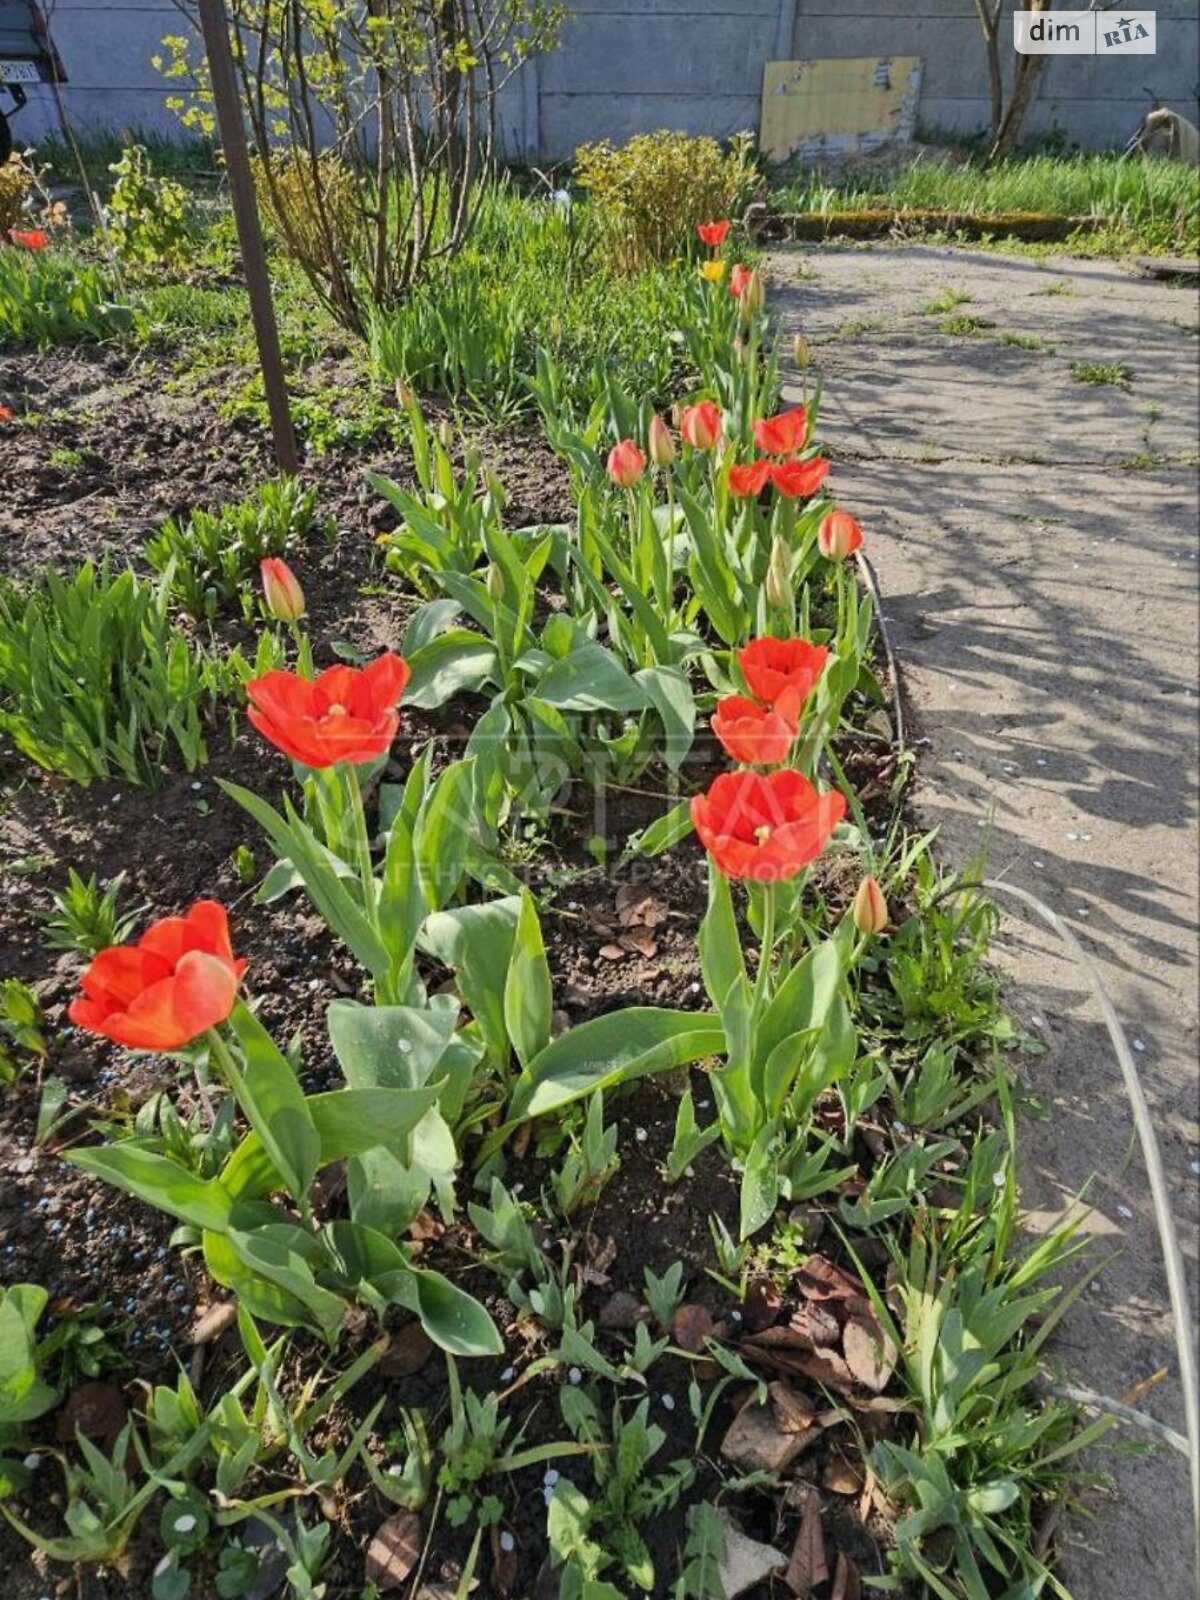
[827,108]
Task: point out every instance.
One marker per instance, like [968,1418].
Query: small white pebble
[508,1374]
[735,1316]
[507,1542]
[1140,1046]
[1085,836]
[640,1135]
[32,1463]
[395,1470]
[1082,910]
[998,1180]
[1041,761]
[517,1188]
[197,785]
[1195,1166]
[668,1401]
[1124,1212]
[695,988]
[575,1376]
[1039,863]
[982,823]
[899,1127]
[1072,836]
[689,1172]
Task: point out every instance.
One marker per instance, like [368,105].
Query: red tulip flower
[29,238]
[626,463]
[178,980]
[281,590]
[782,435]
[766,827]
[713,234]
[739,280]
[758,736]
[838,536]
[782,673]
[342,715]
[749,480]
[796,480]
[7,414]
[701,425]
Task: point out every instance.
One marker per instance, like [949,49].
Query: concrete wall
[625,66]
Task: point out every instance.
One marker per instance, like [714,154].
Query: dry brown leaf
[784,1350]
[761,1304]
[819,1279]
[847,1585]
[613,952]
[638,908]
[640,943]
[425,1226]
[808,1566]
[96,1410]
[394,1550]
[769,1437]
[817,1325]
[690,1326]
[408,1351]
[870,1354]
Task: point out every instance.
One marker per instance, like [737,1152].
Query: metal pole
[215,26]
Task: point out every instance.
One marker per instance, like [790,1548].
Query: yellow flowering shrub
[653,192]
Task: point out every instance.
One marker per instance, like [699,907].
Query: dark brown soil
[138,455]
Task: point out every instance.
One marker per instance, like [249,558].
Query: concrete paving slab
[1043,601]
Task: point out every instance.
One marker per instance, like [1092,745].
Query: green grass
[1151,205]
[945,300]
[964,325]
[1103,374]
[1027,341]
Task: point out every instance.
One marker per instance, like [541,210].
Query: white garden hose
[1168,1234]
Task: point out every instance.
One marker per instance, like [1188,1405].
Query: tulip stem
[766,948]
[232,1073]
[362,842]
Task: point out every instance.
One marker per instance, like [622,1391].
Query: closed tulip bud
[445,434]
[739,349]
[492,483]
[471,461]
[801,354]
[838,536]
[870,908]
[754,296]
[700,425]
[405,398]
[778,587]
[495,584]
[282,592]
[662,445]
[626,463]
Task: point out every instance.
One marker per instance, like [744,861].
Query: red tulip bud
[282,591]
[626,463]
[662,445]
[870,908]
[701,425]
[838,536]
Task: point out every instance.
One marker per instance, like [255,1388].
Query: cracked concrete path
[1035,536]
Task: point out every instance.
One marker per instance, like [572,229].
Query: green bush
[653,193]
[538,273]
[96,681]
[48,298]
[210,557]
[147,219]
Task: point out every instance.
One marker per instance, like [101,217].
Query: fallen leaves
[834,1337]
[394,1550]
[407,1352]
[808,1566]
[770,1436]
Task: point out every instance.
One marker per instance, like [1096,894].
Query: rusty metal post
[215,26]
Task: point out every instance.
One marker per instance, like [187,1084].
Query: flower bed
[530,1072]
